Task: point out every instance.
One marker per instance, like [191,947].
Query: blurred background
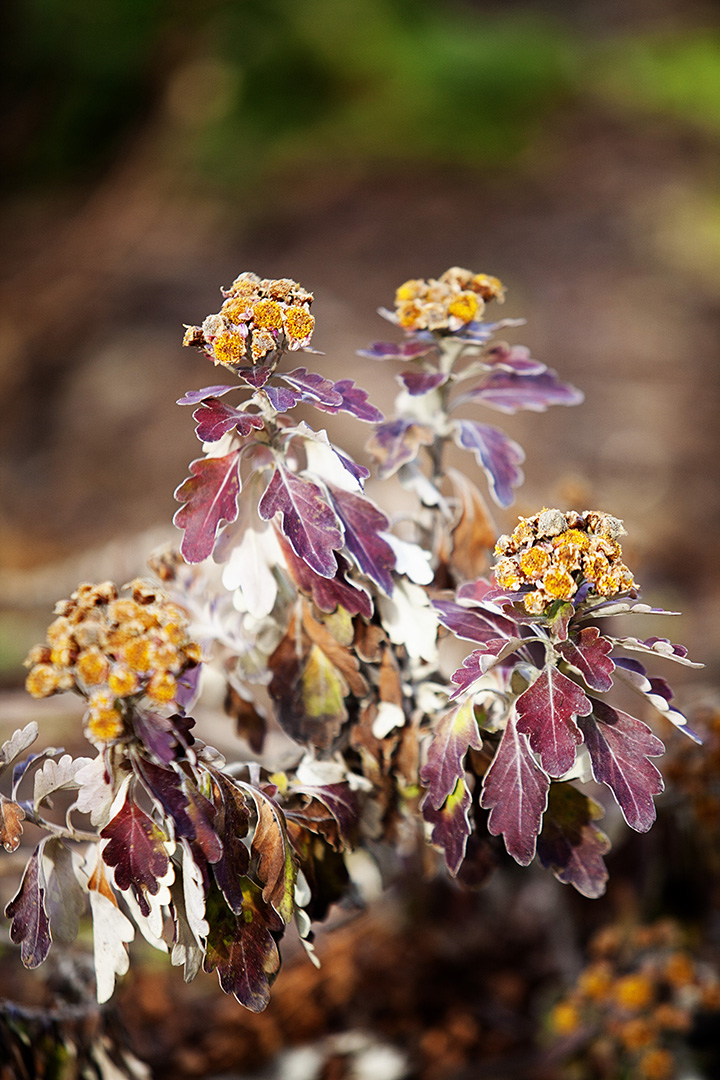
[154,150]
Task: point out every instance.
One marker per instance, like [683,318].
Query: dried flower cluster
[112,650]
[555,553]
[258,317]
[453,300]
[636,999]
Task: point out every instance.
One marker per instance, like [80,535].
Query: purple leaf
[619,748]
[588,654]
[328,593]
[232,823]
[498,456]
[194,397]
[547,710]
[451,824]
[656,646]
[407,350]
[656,691]
[210,497]
[215,418]
[160,735]
[363,522]
[281,398]
[515,791]
[340,803]
[202,814]
[456,731]
[314,388]
[478,663]
[136,849]
[165,789]
[515,358]
[306,519]
[188,684]
[508,392]
[259,374]
[397,442]
[355,401]
[472,624]
[570,844]
[30,928]
[421,382]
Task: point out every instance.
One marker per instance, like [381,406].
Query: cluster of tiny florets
[448,303]
[639,994]
[258,317]
[555,552]
[113,649]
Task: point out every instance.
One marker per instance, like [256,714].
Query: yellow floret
[507,575]
[559,584]
[636,1034]
[572,536]
[465,307]
[490,288]
[608,584]
[162,687]
[409,290]
[656,1064]
[523,533]
[595,981]
[299,323]
[534,562]
[228,348]
[105,725]
[122,681]
[680,969]
[536,602]
[92,667]
[137,654]
[409,315]
[595,566]
[262,343]
[42,681]
[634,992]
[564,1018]
[267,315]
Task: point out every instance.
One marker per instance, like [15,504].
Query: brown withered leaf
[368,640]
[250,725]
[339,656]
[475,533]
[11,816]
[390,684]
[276,866]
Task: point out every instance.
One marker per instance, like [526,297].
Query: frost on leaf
[509,391]
[619,748]
[454,734]
[570,844]
[547,712]
[111,932]
[656,646]
[306,519]
[478,663]
[215,418]
[242,949]
[30,927]
[515,791]
[397,442]
[658,693]
[210,497]
[451,824]
[363,524]
[497,455]
[19,741]
[57,776]
[136,850]
[587,653]
[11,817]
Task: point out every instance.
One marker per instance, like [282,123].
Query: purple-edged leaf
[547,712]
[328,593]
[210,497]
[421,382]
[472,624]
[194,397]
[136,850]
[570,844]
[306,519]
[587,653]
[515,358]
[30,928]
[497,455]
[515,791]
[405,350]
[233,821]
[451,824]
[508,392]
[215,418]
[363,523]
[478,663]
[164,787]
[242,948]
[333,812]
[397,442]
[355,401]
[202,813]
[282,398]
[620,747]
[657,692]
[656,646]
[454,734]
[314,388]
